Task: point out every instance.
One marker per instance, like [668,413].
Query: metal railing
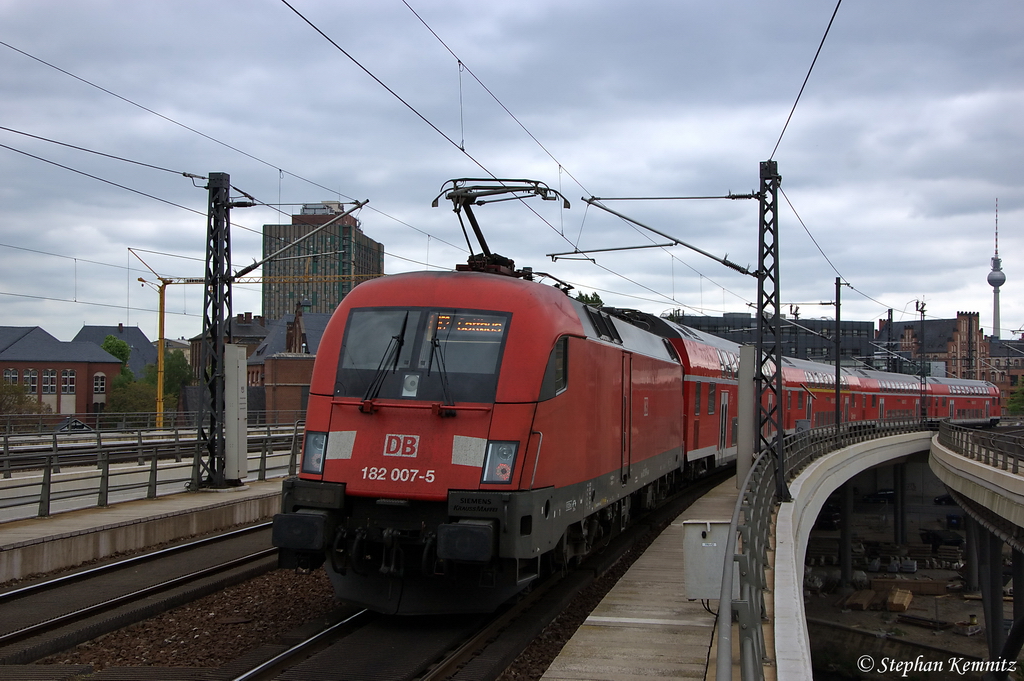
[750,531]
[104,421]
[998,450]
[99,466]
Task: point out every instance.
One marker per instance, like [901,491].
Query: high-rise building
[319,271]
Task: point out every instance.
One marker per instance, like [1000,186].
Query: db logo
[401,445]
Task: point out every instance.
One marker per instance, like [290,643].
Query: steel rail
[298,649]
[110,603]
[126,562]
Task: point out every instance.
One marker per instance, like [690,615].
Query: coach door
[627,418]
[723,424]
[881,408]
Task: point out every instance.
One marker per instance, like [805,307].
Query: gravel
[213,630]
[219,628]
[534,661]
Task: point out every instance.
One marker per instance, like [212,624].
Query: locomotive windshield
[444,355]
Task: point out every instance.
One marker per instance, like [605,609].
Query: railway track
[365,646]
[52,615]
[355,644]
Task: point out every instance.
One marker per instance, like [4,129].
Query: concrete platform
[645,628]
[66,540]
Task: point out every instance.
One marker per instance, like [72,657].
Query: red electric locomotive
[462,427]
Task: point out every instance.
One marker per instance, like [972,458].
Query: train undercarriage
[471,554]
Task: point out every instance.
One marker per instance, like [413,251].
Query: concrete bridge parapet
[793,525]
[999,491]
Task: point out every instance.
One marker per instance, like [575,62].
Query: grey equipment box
[704,544]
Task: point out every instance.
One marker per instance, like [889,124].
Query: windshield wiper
[435,349]
[391,356]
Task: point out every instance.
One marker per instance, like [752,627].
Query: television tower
[996,278]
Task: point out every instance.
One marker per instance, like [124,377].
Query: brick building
[68,377]
[283,364]
[1005,366]
[246,329]
[959,346]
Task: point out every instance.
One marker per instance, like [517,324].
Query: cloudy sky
[910,128]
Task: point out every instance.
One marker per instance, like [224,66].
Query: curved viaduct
[984,479]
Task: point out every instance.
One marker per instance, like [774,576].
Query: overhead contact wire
[212,139]
[385,86]
[561,167]
[100,179]
[806,78]
[462,64]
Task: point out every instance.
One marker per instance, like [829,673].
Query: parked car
[882,496]
[945,500]
[939,538]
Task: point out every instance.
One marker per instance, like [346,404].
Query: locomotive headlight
[499,461]
[313,453]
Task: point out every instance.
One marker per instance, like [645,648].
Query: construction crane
[161,283]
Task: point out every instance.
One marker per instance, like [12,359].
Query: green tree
[135,396]
[177,374]
[118,348]
[592,299]
[14,400]
[1015,405]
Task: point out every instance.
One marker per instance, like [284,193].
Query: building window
[99,384]
[67,382]
[31,381]
[49,381]
[11,376]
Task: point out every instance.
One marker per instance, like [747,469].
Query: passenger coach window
[711,397]
[556,375]
[696,398]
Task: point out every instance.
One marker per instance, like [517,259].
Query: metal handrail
[114,421]
[998,450]
[38,484]
[24,452]
[750,529]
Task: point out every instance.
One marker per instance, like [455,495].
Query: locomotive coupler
[428,560]
[393,558]
[339,554]
[355,559]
